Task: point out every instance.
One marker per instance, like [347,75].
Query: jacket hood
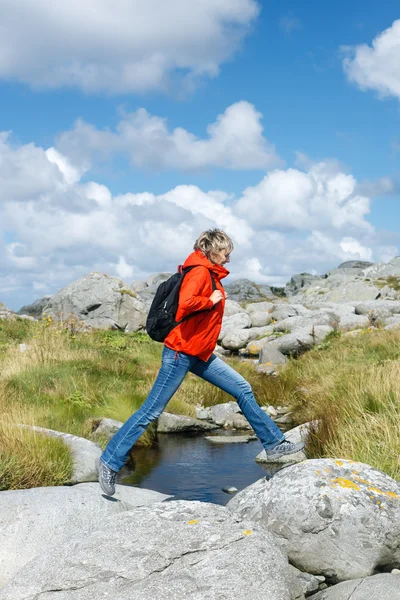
[197,258]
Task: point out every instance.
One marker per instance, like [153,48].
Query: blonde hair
[213,241]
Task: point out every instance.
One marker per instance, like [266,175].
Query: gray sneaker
[106,477]
[284,448]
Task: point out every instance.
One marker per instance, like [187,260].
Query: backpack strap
[214,287]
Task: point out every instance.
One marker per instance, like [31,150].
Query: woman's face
[220,258]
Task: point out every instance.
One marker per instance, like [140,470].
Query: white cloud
[70,173]
[376,67]
[119,46]
[25,171]
[293,221]
[124,270]
[353,247]
[235,141]
[323,197]
[346,248]
[16,253]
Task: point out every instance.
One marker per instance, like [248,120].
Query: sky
[127,127]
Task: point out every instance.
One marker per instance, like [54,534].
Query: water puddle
[189,467]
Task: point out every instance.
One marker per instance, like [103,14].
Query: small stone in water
[229,490]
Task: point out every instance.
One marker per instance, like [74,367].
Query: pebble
[229,490]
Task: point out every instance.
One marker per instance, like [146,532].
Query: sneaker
[106,477]
[284,448]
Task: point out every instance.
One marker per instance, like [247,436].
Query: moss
[391,281]
[124,291]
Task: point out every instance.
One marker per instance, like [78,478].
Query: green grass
[351,385]
[29,459]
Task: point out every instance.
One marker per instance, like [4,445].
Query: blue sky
[305,162]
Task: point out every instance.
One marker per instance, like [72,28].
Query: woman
[189,347]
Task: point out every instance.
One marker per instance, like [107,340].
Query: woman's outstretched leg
[217,372]
[170,376]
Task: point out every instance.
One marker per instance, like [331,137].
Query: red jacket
[198,335]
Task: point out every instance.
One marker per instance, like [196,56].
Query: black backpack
[161,318]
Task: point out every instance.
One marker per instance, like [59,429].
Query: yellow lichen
[193,522]
[392,495]
[372,488]
[247,532]
[362,480]
[345,483]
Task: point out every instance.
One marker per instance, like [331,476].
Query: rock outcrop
[337,518]
[169,550]
[100,301]
[36,521]
[6,313]
[384,586]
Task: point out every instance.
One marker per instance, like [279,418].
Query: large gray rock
[173,550]
[235,339]
[6,313]
[260,332]
[244,290]
[355,264]
[221,412]
[84,453]
[337,518]
[283,312]
[298,342]
[260,318]
[36,308]
[384,269]
[388,292]
[271,356]
[259,306]
[230,439]
[237,421]
[101,301]
[315,317]
[307,584]
[384,586]
[233,323]
[299,282]
[34,522]
[232,308]
[340,288]
[169,423]
[379,307]
[254,347]
[108,427]
[351,322]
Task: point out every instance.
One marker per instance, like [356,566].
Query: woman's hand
[216,296]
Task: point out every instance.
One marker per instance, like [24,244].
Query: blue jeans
[174,367]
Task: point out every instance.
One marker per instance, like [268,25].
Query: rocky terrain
[326,529]
[258,323]
[323,529]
